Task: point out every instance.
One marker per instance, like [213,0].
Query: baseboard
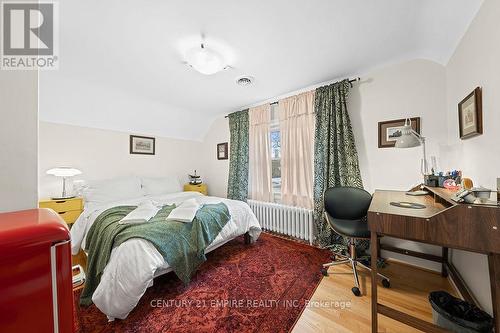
[290,238]
[405,263]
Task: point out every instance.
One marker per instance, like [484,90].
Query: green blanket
[182,245]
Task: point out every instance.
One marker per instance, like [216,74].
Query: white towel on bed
[185,212]
[142,214]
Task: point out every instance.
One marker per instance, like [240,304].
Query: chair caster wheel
[386,283]
[356,292]
[324,271]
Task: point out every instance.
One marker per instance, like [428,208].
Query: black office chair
[345,211]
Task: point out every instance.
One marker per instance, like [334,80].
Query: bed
[135,263]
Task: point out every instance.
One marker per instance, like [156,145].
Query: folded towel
[143,213]
[185,212]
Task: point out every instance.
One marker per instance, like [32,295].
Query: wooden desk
[443,222]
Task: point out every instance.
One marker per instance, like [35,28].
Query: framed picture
[470,115]
[142,145]
[222,151]
[390,131]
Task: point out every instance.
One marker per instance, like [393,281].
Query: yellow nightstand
[202,188]
[68,209]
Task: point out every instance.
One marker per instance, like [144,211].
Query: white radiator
[286,220]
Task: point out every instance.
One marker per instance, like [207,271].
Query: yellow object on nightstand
[68,209]
[202,188]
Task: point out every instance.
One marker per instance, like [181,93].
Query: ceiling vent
[245,80]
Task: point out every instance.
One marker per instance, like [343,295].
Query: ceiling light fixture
[205,60]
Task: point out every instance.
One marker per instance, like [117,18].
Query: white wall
[410,89]
[216,171]
[18,137]
[476,62]
[102,154]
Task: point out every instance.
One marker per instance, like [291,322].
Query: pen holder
[431,180]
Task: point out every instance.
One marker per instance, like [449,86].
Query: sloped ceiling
[121,61]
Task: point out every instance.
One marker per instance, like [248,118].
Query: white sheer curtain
[296,115]
[259,153]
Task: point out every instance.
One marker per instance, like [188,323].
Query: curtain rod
[351,81]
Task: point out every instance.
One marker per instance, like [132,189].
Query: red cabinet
[35,272]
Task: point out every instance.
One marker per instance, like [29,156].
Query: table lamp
[410,138]
[64,172]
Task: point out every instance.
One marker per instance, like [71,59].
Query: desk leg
[494,265]
[444,264]
[374,257]
[378,247]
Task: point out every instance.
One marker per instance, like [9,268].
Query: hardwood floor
[410,287]
[80,259]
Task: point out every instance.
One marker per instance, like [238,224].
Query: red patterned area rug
[262,287]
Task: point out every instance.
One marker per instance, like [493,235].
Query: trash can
[458,316]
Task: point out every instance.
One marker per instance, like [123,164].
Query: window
[275,154]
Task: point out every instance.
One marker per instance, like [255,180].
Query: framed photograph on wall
[222,151]
[390,131]
[142,145]
[470,115]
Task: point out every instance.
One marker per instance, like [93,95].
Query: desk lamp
[410,138]
[64,172]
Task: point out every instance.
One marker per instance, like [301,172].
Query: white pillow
[112,190]
[162,185]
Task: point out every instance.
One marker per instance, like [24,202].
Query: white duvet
[133,265]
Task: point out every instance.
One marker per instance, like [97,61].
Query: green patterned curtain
[237,185]
[335,155]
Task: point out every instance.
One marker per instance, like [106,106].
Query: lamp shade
[407,139]
[64,172]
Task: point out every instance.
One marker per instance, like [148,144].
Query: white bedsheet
[133,265]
